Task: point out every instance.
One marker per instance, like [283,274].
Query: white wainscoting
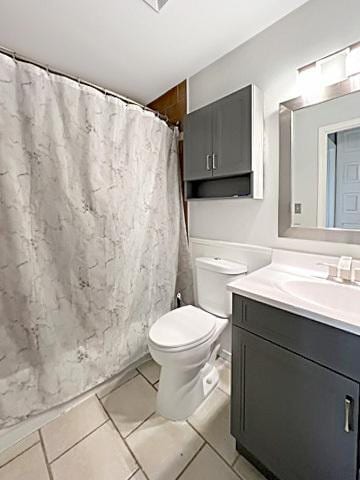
[253,256]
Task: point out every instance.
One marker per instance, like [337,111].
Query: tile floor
[117,435]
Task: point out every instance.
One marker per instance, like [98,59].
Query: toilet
[184,342]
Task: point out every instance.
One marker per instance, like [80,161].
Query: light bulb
[353,61]
[332,69]
[309,81]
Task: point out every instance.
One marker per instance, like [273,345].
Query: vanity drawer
[326,345]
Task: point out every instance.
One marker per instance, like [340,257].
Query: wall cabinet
[293,415]
[224,147]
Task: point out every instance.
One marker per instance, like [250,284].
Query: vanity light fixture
[329,70]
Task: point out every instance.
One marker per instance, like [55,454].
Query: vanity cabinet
[223,147]
[294,407]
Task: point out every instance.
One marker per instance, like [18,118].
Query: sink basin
[334,296]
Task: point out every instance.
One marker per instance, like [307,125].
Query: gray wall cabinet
[199,144]
[223,140]
[232,134]
[294,413]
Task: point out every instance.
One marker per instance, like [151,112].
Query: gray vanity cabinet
[293,417]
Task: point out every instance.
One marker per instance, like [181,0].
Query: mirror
[320,165]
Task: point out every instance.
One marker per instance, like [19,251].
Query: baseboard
[225,355]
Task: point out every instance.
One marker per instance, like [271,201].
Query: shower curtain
[92,239]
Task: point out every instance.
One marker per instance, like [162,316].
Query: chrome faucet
[343,271]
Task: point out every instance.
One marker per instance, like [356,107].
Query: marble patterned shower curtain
[92,236]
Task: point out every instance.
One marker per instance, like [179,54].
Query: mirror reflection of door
[343,180]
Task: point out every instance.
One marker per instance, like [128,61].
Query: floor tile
[131,404]
[151,371]
[246,470]
[101,455]
[163,448]
[18,448]
[27,466]
[212,420]
[70,428]
[115,383]
[225,375]
[208,466]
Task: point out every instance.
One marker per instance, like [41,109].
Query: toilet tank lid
[220,265]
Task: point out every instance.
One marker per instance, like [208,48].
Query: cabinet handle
[208,167]
[214,166]
[348,414]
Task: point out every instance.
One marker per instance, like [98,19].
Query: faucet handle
[332,269]
[344,267]
[356,274]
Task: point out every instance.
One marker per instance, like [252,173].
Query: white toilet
[185,341]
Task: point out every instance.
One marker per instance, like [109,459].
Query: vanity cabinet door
[198,144]
[297,418]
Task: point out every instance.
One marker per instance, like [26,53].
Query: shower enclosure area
[93,244]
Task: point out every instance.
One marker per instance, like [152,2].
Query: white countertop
[269,285]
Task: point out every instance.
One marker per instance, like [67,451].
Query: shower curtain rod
[105,91]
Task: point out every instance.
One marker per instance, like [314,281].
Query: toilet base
[182,392]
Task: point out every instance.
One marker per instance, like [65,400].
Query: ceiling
[126,46]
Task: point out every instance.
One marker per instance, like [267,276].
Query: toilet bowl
[185,341]
[182,342]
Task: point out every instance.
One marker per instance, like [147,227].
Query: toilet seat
[182,329]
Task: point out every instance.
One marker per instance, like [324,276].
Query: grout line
[45,455]
[213,448]
[191,461]
[18,455]
[108,414]
[127,446]
[115,388]
[223,391]
[79,441]
[135,473]
[140,425]
[148,381]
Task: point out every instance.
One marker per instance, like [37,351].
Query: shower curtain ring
[14,56]
[47,69]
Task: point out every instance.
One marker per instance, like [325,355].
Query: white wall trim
[224,243]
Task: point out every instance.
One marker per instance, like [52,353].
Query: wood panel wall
[173,104]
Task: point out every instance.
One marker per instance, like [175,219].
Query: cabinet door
[198,144]
[291,414]
[232,134]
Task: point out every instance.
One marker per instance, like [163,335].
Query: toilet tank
[212,276]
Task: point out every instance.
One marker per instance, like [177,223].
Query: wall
[270,60]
